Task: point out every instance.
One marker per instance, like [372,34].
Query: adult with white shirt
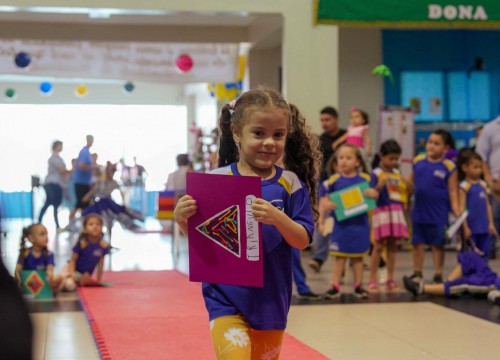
[54,181]
[488,146]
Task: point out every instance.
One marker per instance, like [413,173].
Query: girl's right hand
[186,207]
[329,204]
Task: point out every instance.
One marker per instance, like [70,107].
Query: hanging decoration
[22,60]
[46,88]
[128,87]
[230,91]
[81,91]
[10,94]
[184,63]
[383,70]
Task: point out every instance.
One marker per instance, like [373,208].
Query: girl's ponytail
[24,236]
[228,150]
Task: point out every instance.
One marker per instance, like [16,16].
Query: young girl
[88,253]
[350,237]
[357,132]
[37,257]
[473,195]
[249,322]
[388,221]
[436,188]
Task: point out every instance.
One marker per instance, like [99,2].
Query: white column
[310,62]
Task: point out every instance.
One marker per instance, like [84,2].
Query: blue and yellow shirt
[89,254]
[266,308]
[477,196]
[432,200]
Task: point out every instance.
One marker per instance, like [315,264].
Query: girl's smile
[262,142]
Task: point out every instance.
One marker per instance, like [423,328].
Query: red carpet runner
[158,315]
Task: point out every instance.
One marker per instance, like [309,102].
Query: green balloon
[10,93]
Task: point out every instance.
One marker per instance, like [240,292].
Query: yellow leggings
[233,338]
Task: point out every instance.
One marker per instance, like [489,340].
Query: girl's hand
[406,179]
[265,212]
[186,207]
[492,229]
[371,193]
[329,205]
[382,181]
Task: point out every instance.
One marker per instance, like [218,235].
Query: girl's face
[93,227]
[58,148]
[473,169]
[347,160]
[39,236]
[356,118]
[389,161]
[262,139]
[435,147]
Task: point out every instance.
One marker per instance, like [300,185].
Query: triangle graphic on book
[224,229]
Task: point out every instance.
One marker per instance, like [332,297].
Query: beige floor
[63,336]
[415,330]
[394,331]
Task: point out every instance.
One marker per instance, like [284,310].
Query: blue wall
[441,50]
[15,204]
[18,204]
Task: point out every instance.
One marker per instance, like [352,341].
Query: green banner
[414,13]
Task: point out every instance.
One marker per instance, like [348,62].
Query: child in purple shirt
[88,253]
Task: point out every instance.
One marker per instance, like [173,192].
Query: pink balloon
[184,63]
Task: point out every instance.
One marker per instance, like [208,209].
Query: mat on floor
[157,315]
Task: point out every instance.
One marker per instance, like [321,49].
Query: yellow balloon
[81,90]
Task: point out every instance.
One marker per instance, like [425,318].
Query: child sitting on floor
[88,253]
[471,275]
[37,257]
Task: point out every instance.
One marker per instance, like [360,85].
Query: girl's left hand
[371,193]
[265,212]
[493,230]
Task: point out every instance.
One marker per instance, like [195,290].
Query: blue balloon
[45,87]
[129,87]
[23,60]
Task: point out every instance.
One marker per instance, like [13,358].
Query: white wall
[99,93]
[360,51]
[310,52]
[264,67]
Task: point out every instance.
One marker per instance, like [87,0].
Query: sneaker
[360,293]
[416,288]
[309,296]
[494,297]
[392,285]
[333,293]
[315,265]
[416,276]
[372,286]
[438,279]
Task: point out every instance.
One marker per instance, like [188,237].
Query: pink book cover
[225,241]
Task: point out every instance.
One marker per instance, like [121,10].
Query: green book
[351,201]
[33,282]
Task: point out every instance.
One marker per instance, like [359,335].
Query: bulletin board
[398,123]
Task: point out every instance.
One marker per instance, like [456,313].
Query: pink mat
[158,315]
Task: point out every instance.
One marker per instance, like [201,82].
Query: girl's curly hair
[302,154]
